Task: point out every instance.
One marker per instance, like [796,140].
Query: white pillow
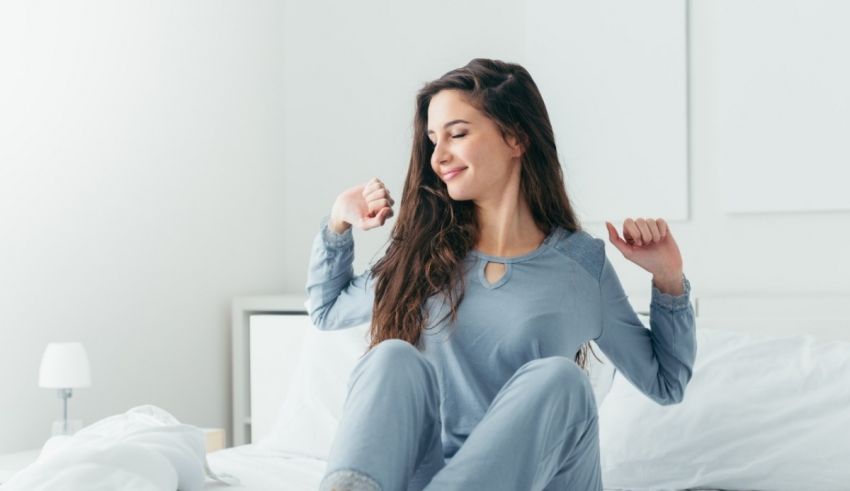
[761,412]
[311,410]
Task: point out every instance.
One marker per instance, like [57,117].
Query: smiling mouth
[449,175]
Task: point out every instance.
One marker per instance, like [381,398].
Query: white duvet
[144,449]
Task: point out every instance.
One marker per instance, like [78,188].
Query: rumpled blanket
[144,449]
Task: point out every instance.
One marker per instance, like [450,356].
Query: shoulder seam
[588,254]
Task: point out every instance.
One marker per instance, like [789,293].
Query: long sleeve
[336,299]
[657,361]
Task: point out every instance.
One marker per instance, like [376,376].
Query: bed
[272,336]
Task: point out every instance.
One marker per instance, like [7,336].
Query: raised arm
[337,299]
[657,361]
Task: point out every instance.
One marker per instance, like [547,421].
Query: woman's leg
[390,428]
[540,430]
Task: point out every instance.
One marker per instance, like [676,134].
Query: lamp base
[61,428]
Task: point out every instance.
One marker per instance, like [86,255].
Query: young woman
[482,308]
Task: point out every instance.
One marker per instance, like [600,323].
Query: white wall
[141,188]
[605,68]
[773,252]
[158,159]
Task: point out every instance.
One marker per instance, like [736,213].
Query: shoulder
[582,248]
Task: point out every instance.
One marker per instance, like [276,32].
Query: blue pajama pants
[539,433]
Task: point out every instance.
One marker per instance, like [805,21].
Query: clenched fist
[364,206]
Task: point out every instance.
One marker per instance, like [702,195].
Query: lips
[452,173]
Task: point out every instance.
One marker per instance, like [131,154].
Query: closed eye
[460,135]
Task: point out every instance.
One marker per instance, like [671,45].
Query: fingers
[376,196]
[631,232]
[372,185]
[662,228]
[379,204]
[646,235]
[375,189]
[377,220]
[615,239]
[644,231]
[380,193]
[653,230]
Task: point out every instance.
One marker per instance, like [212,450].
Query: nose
[440,154]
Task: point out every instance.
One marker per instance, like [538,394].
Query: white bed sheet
[264,470]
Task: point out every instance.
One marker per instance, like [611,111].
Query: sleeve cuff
[333,239]
[670,302]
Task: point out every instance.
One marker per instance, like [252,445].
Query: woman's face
[470,155]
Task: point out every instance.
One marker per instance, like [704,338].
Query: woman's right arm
[336,299]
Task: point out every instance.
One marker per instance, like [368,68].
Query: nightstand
[214,439]
[11,463]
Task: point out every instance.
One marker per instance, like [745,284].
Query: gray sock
[348,480]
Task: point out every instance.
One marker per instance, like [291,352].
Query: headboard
[267,333]
[277,364]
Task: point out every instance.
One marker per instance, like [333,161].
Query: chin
[458,194]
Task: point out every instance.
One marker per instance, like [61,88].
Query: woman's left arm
[658,361]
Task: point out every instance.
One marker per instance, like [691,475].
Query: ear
[517,146]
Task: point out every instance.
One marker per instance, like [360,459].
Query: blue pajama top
[548,302]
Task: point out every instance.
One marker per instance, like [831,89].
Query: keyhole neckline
[482,275]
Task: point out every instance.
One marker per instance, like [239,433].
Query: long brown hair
[433,233]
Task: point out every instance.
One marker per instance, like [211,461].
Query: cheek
[472,155]
[489,164]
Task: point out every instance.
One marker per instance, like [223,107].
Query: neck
[506,225]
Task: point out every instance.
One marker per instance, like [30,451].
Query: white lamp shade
[64,366]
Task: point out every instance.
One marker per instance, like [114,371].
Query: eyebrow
[454,121]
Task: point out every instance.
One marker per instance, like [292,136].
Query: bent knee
[394,352]
[394,356]
[559,375]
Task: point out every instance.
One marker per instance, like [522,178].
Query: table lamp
[64,366]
